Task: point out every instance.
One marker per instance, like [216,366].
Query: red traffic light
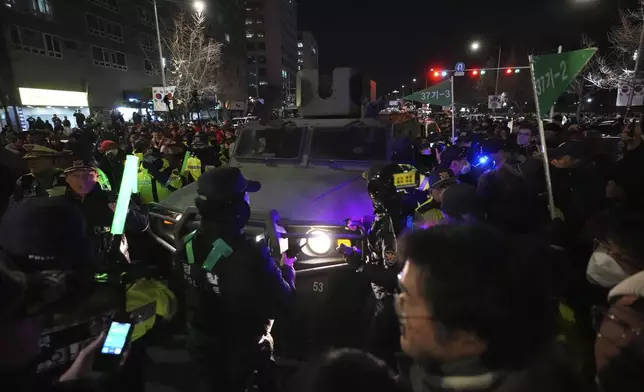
[509,71]
[437,74]
[475,72]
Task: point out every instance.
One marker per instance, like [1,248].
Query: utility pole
[552,109]
[631,83]
[156,20]
[498,73]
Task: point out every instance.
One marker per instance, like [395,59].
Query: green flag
[553,73]
[440,94]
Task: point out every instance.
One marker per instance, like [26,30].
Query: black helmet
[152,161]
[387,184]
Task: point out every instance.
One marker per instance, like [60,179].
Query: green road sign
[553,73]
[440,94]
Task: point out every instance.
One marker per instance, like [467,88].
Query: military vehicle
[311,170]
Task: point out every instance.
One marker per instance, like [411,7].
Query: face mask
[604,271]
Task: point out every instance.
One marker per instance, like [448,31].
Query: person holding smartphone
[51,310]
[234,288]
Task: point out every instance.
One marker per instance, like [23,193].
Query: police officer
[204,157]
[156,181]
[392,193]
[43,176]
[233,286]
[429,213]
[98,206]
[60,308]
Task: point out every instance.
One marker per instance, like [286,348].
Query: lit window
[249,34]
[42,8]
[249,21]
[300,45]
[227,37]
[314,51]
[259,34]
[262,83]
[299,53]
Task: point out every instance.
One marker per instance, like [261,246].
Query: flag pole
[453,112]
[544,149]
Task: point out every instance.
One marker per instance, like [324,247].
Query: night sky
[393,41]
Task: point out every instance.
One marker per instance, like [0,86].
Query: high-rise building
[225,23]
[57,56]
[307,51]
[271,44]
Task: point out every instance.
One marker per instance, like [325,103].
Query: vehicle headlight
[318,243]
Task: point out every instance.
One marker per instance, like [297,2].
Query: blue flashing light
[482,161]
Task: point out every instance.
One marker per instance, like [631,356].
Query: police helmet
[152,161]
[387,184]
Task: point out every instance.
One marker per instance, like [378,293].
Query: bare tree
[581,86]
[193,59]
[617,68]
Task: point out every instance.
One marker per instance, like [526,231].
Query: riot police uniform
[233,287]
[46,240]
[204,157]
[393,191]
[156,181]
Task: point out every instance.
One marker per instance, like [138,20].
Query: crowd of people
[481,281]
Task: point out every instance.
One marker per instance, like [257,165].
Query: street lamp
[199,6]
[589,100]
[414,80]
[475,46]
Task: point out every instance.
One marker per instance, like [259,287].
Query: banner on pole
[624,90]
[495,101]
[553,73]
[158,94]
[440,94]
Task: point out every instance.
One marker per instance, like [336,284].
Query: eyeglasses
[399,301]
[600,314]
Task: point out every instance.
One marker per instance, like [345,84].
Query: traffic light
[483,72]
[517,70]
[437,74]
[508,71]
[475,72]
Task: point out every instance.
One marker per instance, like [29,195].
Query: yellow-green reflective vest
[151,190]
[103,181]
[145,299]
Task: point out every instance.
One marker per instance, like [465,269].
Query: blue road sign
[460,67]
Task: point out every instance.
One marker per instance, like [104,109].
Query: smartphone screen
[116,338]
